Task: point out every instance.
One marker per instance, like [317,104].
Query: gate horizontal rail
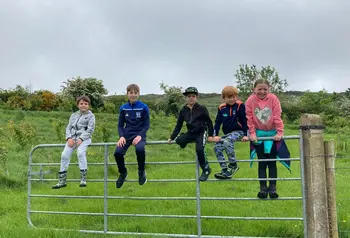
[169,162]
[176,180]
[158,198]
[168,216]
[198,214]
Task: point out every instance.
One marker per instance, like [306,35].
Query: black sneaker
[224,174]
[142,177]
[121,179]
[231,170]
[205,174]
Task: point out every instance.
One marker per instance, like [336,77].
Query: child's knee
[228,144]
[200,150]
[118,152]
[140,148]
[81,154]
[64,156]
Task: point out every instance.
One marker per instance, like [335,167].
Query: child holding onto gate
[133,124]
[231,114]
[263,111]
[78,136]
[198,122]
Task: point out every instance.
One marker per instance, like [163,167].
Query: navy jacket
[133,120]
[232,118]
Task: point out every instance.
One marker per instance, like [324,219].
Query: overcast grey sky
[182,42]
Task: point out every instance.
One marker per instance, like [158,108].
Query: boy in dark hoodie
[198,125]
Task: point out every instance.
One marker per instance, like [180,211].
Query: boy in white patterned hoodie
[78,136]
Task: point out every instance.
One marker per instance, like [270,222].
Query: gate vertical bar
[29,187]
[105,205]
[41,173]
[198,200]
[303,187]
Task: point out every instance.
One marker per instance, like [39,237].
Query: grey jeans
[81,152]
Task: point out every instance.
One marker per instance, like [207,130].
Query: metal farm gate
[106,197]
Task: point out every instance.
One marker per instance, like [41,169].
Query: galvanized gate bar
[170,162]
[177,180]
[105,192]
[169,216]
[160,198]
[198,201]
[105,197]
[302,175]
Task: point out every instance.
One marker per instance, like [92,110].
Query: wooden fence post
[315,176]
[331,191]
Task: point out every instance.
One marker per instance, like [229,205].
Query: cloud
[182,43]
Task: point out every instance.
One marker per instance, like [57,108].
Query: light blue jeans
[81,152]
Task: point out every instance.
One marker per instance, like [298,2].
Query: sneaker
[121,179]
[263,192]
[272,191]
[142,177]
[232,169]
[224,174]
[205,174]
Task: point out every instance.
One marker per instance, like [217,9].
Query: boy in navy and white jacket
[231,114]
[133,125]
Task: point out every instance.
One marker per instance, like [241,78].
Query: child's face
[230,100]
[191,99]
[83,106]
[133,96]
[261,90]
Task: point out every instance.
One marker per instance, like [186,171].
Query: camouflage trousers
[227,145]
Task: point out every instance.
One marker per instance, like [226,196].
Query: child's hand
[70,143]
[210,138]
[217,138]
[245,138]
[136,140]
[79,142]
[253,139]
[277,138]
[121,142]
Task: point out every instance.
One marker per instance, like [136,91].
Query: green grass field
[14,189]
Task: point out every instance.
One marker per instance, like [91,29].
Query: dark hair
[261,81]
[84,98]
[133,87]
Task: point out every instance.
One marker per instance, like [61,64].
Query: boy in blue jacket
[133,125]
[231,114]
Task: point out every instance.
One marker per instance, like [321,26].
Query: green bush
[23,132]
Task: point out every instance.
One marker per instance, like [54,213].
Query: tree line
[333,107]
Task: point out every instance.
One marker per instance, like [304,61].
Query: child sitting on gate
[263,111]
[133,125]
[78,136]
[231,114]
[197,122]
